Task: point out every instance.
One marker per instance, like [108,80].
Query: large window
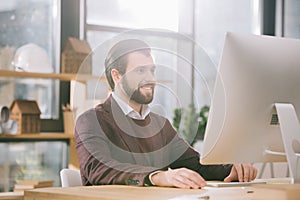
[134,13]
[192,39]
[165,25]
[30,41]
[212,20]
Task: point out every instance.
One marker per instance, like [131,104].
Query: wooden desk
[11,195]
[116,192]
[275,190]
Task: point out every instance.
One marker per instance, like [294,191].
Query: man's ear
[115,75]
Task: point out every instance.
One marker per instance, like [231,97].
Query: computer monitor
[256,103]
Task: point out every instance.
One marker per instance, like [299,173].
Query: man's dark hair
[117,56]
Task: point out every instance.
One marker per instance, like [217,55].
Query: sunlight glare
[152,14]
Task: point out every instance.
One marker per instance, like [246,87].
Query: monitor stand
[290,131]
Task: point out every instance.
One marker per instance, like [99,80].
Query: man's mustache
[147,83]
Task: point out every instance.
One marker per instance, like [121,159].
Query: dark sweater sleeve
[97,165]
[189,158]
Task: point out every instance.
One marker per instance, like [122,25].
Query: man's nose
[150,76]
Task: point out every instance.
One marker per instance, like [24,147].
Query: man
[122,142]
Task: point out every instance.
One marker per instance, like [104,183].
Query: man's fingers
[239,171]
[242,173]
[246,172]
[180,184]
[194,177]
[188,178]
[188,183]
[251,174]
[232,176]
[255,173]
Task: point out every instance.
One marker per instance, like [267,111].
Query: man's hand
[181,178]
[241,173]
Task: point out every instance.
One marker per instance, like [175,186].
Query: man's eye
[140,70]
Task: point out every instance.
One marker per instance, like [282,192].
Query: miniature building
[75,57]
[27,114]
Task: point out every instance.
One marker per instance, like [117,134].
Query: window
[213,19]
[27,26]
[134,13]
[166,25]
[195,37]
[289,13]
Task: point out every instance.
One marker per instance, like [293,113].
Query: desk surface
[114,192]
[11,195]
[276,189]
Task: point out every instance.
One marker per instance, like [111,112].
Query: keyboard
[232,184]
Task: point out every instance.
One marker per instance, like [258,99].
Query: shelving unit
[63,140]
[35,136]
[63,77]
[78,81]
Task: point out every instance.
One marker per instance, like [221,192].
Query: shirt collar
[129,111]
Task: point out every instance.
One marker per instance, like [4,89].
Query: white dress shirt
[129,111]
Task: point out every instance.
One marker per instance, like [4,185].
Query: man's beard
[135,94]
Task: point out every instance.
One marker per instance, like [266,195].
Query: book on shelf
[38,183]
[20,188]
[32,184]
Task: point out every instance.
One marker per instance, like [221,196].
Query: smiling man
[122,142]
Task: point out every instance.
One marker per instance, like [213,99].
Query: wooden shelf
[62,77]
[36,136]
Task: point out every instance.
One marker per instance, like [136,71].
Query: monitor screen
[258,76]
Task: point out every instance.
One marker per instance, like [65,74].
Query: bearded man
[122,142]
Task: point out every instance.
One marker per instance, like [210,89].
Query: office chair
[70,178]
